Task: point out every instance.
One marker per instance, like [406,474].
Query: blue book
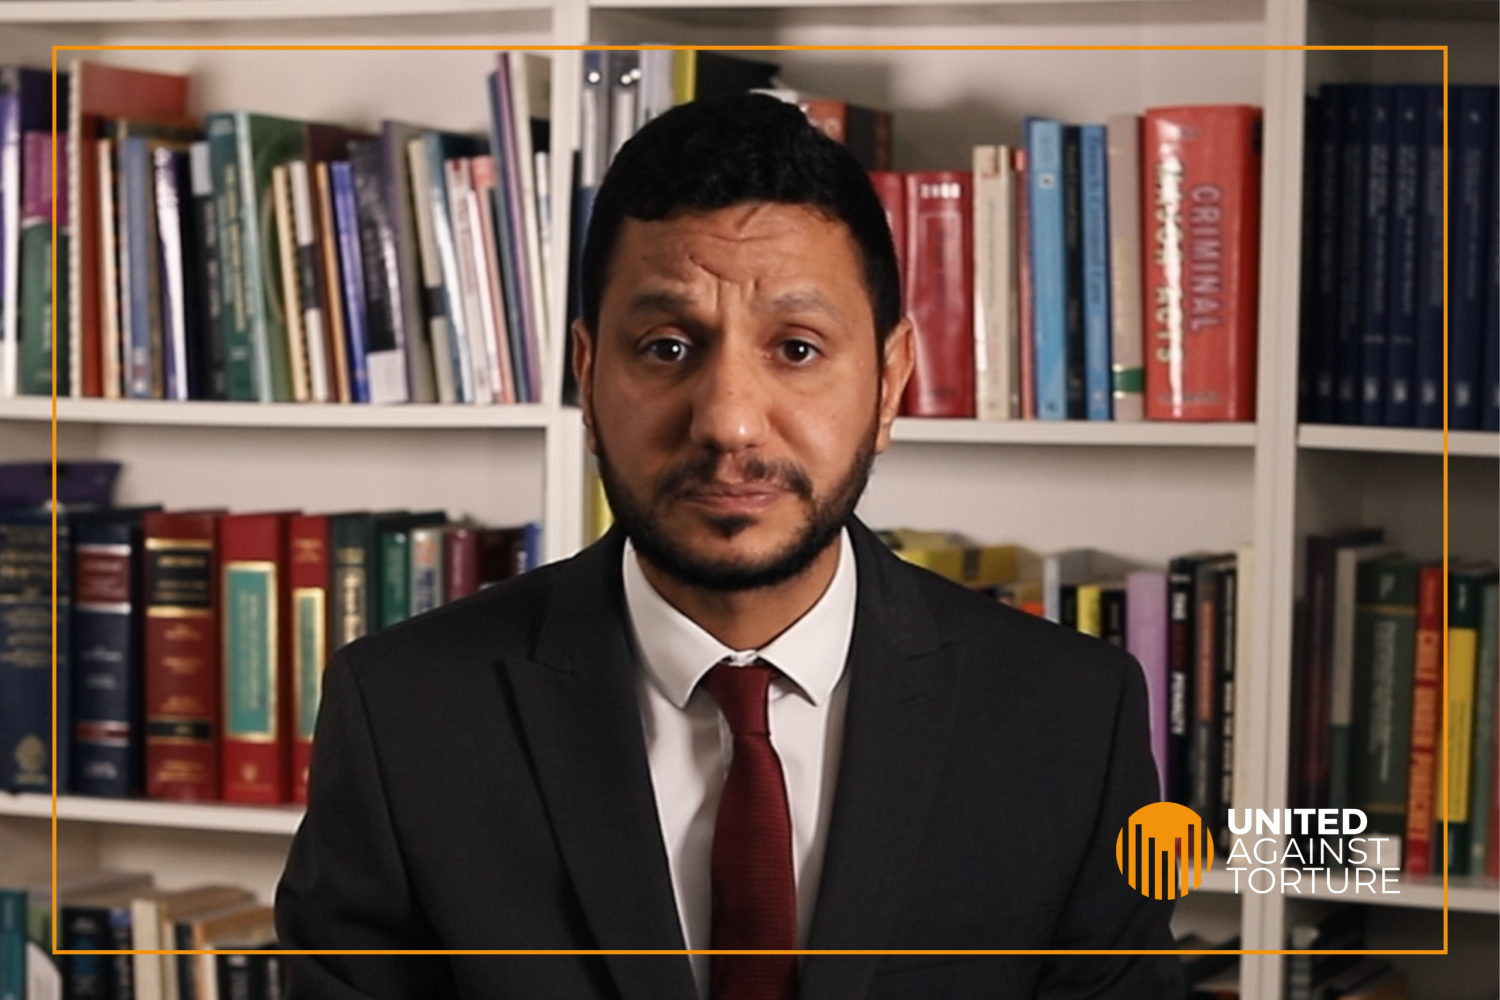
[351,267]
[1353,152]
[439,148]
[1096,304]
[26,650]
[1403,264]
[1471,166]
[107,672]
[1322,353]
[1072,186]
[1375,252]
[137,270]
[1049,264]
[506,145]
[1489,401]
[1431,290]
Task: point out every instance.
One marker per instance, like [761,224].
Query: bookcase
[1142,491]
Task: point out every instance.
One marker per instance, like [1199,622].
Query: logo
[1164,850]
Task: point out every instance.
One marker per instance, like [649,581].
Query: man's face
[734,392]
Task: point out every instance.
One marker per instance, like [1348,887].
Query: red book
[1426,724]
[97,92]
[257,657]
[939,291]
[308,575]
[1201,185]
[1025,317]
[890,186]
[181,656]
[866,132]
[474,558]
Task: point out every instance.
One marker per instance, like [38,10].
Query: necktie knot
[742,695]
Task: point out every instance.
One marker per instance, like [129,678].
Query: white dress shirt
[689,746]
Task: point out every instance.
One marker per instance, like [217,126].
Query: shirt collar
[676,651]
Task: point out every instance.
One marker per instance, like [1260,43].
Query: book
[939,293]
[384,353]
[1025,291]
[1374,254]
[444,319]
[350,254]
[284,261]
[1049,265]
[1486,683]
[256,741]
[207,369]
[1146,639]
[181,655]
[1127,371]
[996,382]
[474,313]
[244,150]
[1432,285]
[332,283]
[355,580]
[1341,668]
[309,569]
[474,558]
[34,251]
[1471,159]
[176,248]
[864,131]
[25,106]
[1097,330]
[1418,856]
[1213,607]
[1073,322]
[393,535]
[485,236]
[426,567]
[108,738]
[26,650]
[1466,585]
[1202,189]
[98,92]
[152,915]
[1320,289]
[1385,663]
[1405,264]
[412,331]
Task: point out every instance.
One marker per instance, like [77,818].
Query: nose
[731,401]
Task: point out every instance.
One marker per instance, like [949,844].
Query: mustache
[703,470]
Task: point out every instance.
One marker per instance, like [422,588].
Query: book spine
[1098,334]
[1385,650]
[1127,371]
[480,350]
[283,264]
[208,340]
[352,537]
[35,262]
[1025,292]
[384,355]
[308,574]
[242,375]
[25,652]
[1049,266]
[940,297]
[1471,159]
[1432,289]
[426,568]
[406,304]
[85,929]
[332,284]
[994,283]
[106,683]
[1426,712]
[309,282]
[136,236]
[173,243]
[1204,733]
[1401,280]
[181,657]
[1486,681]
[13,906]
[1354,141]
[395,575]
[1465,596]
[1322,328]
[1073,279]
[351,257]
[1229,608]
[1146,639]
[482,229]
[1202,178]
[1375,252]
[447,373]
[252,550]
[1181,630]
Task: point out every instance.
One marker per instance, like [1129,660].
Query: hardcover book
[939,293]
[1201,254]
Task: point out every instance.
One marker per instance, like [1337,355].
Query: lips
[735,496]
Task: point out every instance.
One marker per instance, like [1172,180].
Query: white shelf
[1398,440]
[273,820]
[1075,432]
[1424,892]
[140,412]
[187,11]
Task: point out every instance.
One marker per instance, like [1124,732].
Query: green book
[395,562]
[243,149]
[1486,679]
[1466,586]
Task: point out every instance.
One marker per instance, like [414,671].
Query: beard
[826,517]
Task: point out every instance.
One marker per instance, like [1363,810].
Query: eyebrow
[795,301]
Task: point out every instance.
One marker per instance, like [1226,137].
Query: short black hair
[731,150]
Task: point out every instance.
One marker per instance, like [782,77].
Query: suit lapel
[902,688]
[578,709]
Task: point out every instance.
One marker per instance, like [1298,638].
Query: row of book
[108,910]
[1374,283]
[1185,623]
[247,256]
[1369,706]
[191,644]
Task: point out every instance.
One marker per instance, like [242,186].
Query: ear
[583,374]
[896,365]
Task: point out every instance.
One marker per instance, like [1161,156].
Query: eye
[798,352]
[668,350]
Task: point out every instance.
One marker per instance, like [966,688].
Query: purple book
[1146,639]
[25,106]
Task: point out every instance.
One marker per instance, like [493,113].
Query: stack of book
[252,257]
[1369,706]
[191,644]
[107,912]
[1374,284]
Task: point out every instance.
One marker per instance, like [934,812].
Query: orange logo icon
[1164,850]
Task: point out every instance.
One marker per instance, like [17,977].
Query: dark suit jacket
[480,782]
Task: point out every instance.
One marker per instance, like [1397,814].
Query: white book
[996,345]
[291,299]
[305,264]
[1127,336]
[480,340]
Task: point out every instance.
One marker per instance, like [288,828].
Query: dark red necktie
[754,887]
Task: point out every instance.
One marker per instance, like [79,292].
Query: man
[570,761]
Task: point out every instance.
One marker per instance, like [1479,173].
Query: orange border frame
[769,48]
